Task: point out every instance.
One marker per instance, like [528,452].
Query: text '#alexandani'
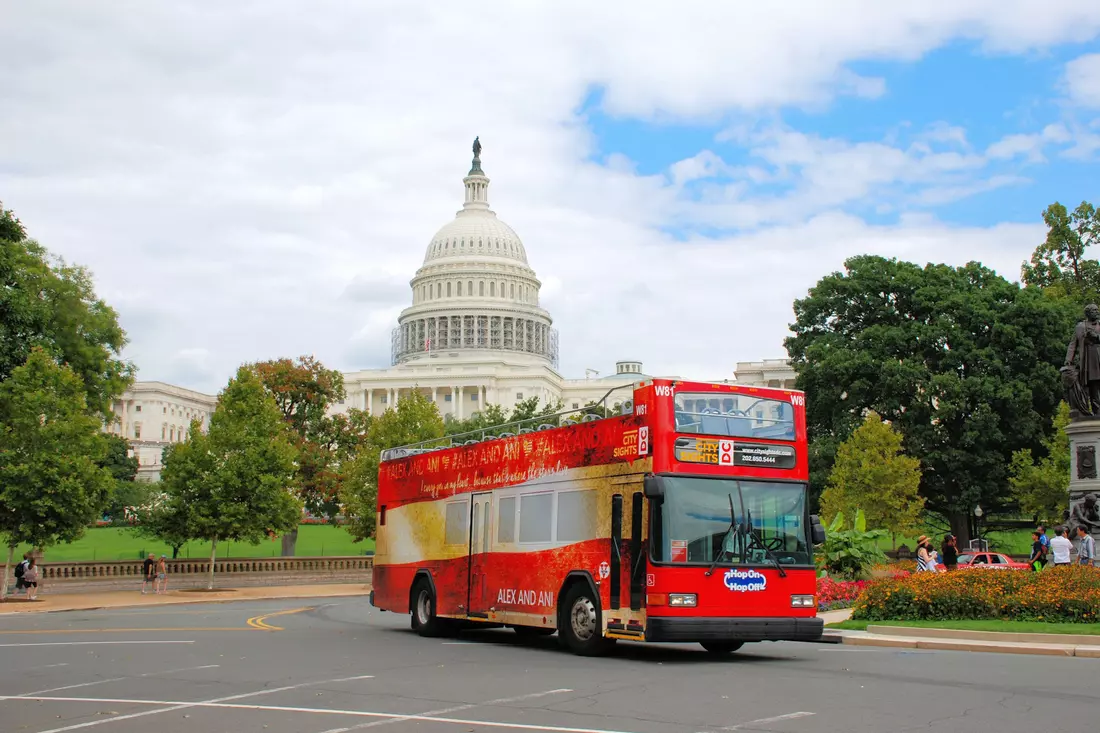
[517,597]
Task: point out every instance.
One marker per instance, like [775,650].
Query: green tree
[47,303]
[235,481]
[125,492]
[52,483]
[959,360]
[1059,265]
[1042,486]
[489,422]
[415,418]
[870,473]
[305,391]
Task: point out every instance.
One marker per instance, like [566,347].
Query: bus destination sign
[729,452]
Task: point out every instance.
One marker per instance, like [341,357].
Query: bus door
[480,532]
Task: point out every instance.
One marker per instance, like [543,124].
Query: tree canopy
[233,482]
[414,419]
[52,481]
[872,474]
[961,361]
[1040,483]
[47,303]
[1059,265]
[305,390]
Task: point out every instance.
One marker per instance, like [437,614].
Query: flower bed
[1070,594]
[834,594]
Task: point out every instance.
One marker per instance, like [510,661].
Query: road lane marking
[454,709]
[762,721]
[47,666]
[87,643]
[175,705]
[125,630]
[116,679]
[258,622]
[179,705]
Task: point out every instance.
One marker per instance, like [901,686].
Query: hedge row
[1069,594]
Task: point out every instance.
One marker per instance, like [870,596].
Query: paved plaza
[335,664]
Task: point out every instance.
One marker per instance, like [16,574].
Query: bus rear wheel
[722,647]
[581,628]
[424,620]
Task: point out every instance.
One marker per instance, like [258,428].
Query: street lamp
[977,525]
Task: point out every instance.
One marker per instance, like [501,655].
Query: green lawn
[116,543]
[1018,627]
[1014,542]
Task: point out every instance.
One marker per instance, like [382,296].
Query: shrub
[851,553]
[1070,594]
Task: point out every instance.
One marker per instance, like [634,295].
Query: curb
[962,645]
[998,636]
[180,600]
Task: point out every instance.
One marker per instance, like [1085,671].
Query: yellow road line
[258,622]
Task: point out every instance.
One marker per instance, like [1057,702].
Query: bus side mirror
[653,487]
[817,530]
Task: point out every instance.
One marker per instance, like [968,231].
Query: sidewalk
[122,599]
[905,637]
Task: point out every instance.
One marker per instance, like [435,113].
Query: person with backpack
[20,571]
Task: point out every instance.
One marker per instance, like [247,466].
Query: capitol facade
[475,334]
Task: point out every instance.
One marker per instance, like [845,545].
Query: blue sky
[988,96]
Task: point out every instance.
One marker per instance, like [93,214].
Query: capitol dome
[475,290]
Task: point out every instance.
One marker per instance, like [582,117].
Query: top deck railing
[588,413]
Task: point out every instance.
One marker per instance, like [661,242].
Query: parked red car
[991,561]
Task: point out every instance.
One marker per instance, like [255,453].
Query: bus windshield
[692,523]
[733,415]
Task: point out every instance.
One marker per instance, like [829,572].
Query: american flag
[428,344]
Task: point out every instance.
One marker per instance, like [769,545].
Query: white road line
[455,709]
[174,705]
[47,666]
[115,679]
[86,643]
[177,705]
[762,721]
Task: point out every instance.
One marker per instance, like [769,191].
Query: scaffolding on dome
[428,337]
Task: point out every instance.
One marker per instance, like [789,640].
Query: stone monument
[1081,381]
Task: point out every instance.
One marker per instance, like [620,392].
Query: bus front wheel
[424,620]
[722,647]
[581,628]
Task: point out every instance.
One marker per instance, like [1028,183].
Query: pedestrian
[1036,559]
[926,555]
[1060,547]
[148,573]
[20,569]
[1044,542]
[1086,547]
[162,574]
[950,549]
[30,578]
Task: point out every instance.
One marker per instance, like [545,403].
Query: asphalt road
[339,665]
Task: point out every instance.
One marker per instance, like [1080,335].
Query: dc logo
[742,581]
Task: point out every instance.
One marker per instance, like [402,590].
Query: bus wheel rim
[583,619]
[423,607]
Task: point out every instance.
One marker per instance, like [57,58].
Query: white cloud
[1083,80]
[259,179]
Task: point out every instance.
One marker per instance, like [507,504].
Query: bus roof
[550,421]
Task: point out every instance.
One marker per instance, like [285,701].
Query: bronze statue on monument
[1081,373]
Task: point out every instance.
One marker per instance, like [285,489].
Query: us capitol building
[475,334]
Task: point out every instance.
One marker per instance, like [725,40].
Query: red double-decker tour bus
[680,517]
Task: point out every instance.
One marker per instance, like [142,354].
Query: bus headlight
[681,599]
[802,602]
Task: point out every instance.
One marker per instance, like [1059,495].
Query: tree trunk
[290,542]
[7,567]
[210,573]
[960,527]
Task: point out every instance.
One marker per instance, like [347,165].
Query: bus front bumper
[724,628]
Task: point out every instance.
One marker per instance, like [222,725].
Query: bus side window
[382,515]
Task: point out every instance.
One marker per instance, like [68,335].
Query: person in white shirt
[1060,547]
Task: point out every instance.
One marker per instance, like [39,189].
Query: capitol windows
[513,290]
[448,289]
[481,288]
[470,288]
[459,289]
[492,290]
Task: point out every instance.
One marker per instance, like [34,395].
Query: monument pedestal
[1084,481]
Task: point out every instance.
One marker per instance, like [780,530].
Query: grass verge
[1011,627]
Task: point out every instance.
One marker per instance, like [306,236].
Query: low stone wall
[76,577]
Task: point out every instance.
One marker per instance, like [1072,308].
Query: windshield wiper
[722,552]
[760,543]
